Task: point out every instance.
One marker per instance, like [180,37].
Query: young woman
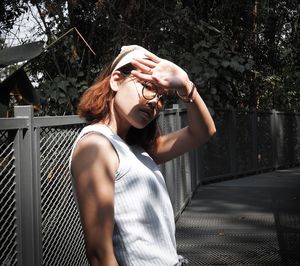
[124,206]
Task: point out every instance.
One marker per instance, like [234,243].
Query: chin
[141,124]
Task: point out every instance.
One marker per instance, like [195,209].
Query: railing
[39,222]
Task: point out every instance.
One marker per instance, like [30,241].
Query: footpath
[252,220]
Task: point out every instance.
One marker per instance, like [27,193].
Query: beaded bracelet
[189,97]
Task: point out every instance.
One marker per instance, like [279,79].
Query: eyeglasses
[150,91]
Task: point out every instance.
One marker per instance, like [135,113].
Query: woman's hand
[162,73]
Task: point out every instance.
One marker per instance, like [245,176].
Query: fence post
[176,166]
[274,131]
[291,139]
[232,141]
[29,216]
[254,140]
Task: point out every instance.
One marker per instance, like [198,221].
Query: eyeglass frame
[156,94]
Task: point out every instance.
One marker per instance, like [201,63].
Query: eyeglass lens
[149,91]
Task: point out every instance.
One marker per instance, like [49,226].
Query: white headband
[132,51]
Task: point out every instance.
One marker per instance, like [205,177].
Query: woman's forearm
[200,122]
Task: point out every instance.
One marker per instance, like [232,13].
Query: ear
[115,80]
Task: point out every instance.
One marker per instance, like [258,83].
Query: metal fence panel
[8,222]
[177,172]
[284,140]
[62,241]
[295,138]
[264,141]
[183,181]
[244,147]
[296,130]
[170,169]
[215,156]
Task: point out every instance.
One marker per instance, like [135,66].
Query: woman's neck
[117,127]
[117,124]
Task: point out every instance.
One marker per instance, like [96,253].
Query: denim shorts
[182,261]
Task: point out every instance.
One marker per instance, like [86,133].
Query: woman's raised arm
[170,77]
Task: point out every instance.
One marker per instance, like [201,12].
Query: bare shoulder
[93,151]
[93,140]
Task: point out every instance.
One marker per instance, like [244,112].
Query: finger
[146,77]
[153,57]
[145,62]
[140,66]
[141,76]
[163,85]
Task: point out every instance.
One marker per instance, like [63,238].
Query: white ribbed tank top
[144,232]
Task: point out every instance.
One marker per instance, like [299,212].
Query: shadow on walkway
[253,220]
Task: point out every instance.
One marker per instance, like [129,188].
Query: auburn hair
[94,106]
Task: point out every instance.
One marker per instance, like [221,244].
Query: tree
[10,10]
[240,54]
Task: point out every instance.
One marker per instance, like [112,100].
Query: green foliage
[60,78]
[240,54]
[60,95]
[217,70]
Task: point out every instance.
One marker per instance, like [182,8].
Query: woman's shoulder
[94,148]
[93,142]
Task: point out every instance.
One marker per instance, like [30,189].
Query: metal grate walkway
[252,220]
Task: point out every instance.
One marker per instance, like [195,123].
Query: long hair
[94,106]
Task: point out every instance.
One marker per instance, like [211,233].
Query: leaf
[204,54]
[213,61]
[225,63]
[215,51]
[63,85]
[80,74]
[62,100]
[196,69]
[52,94]
[213,91]
[248,66]
[217,98]
[237,66]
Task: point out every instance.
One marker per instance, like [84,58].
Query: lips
[147,112]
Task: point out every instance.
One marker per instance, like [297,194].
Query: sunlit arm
[200,128]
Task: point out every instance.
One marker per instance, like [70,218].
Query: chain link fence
[39,221]
[8,227]
[62,239]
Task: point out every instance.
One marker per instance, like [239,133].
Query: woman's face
[131,107]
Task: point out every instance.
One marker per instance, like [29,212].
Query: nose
[156,102]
